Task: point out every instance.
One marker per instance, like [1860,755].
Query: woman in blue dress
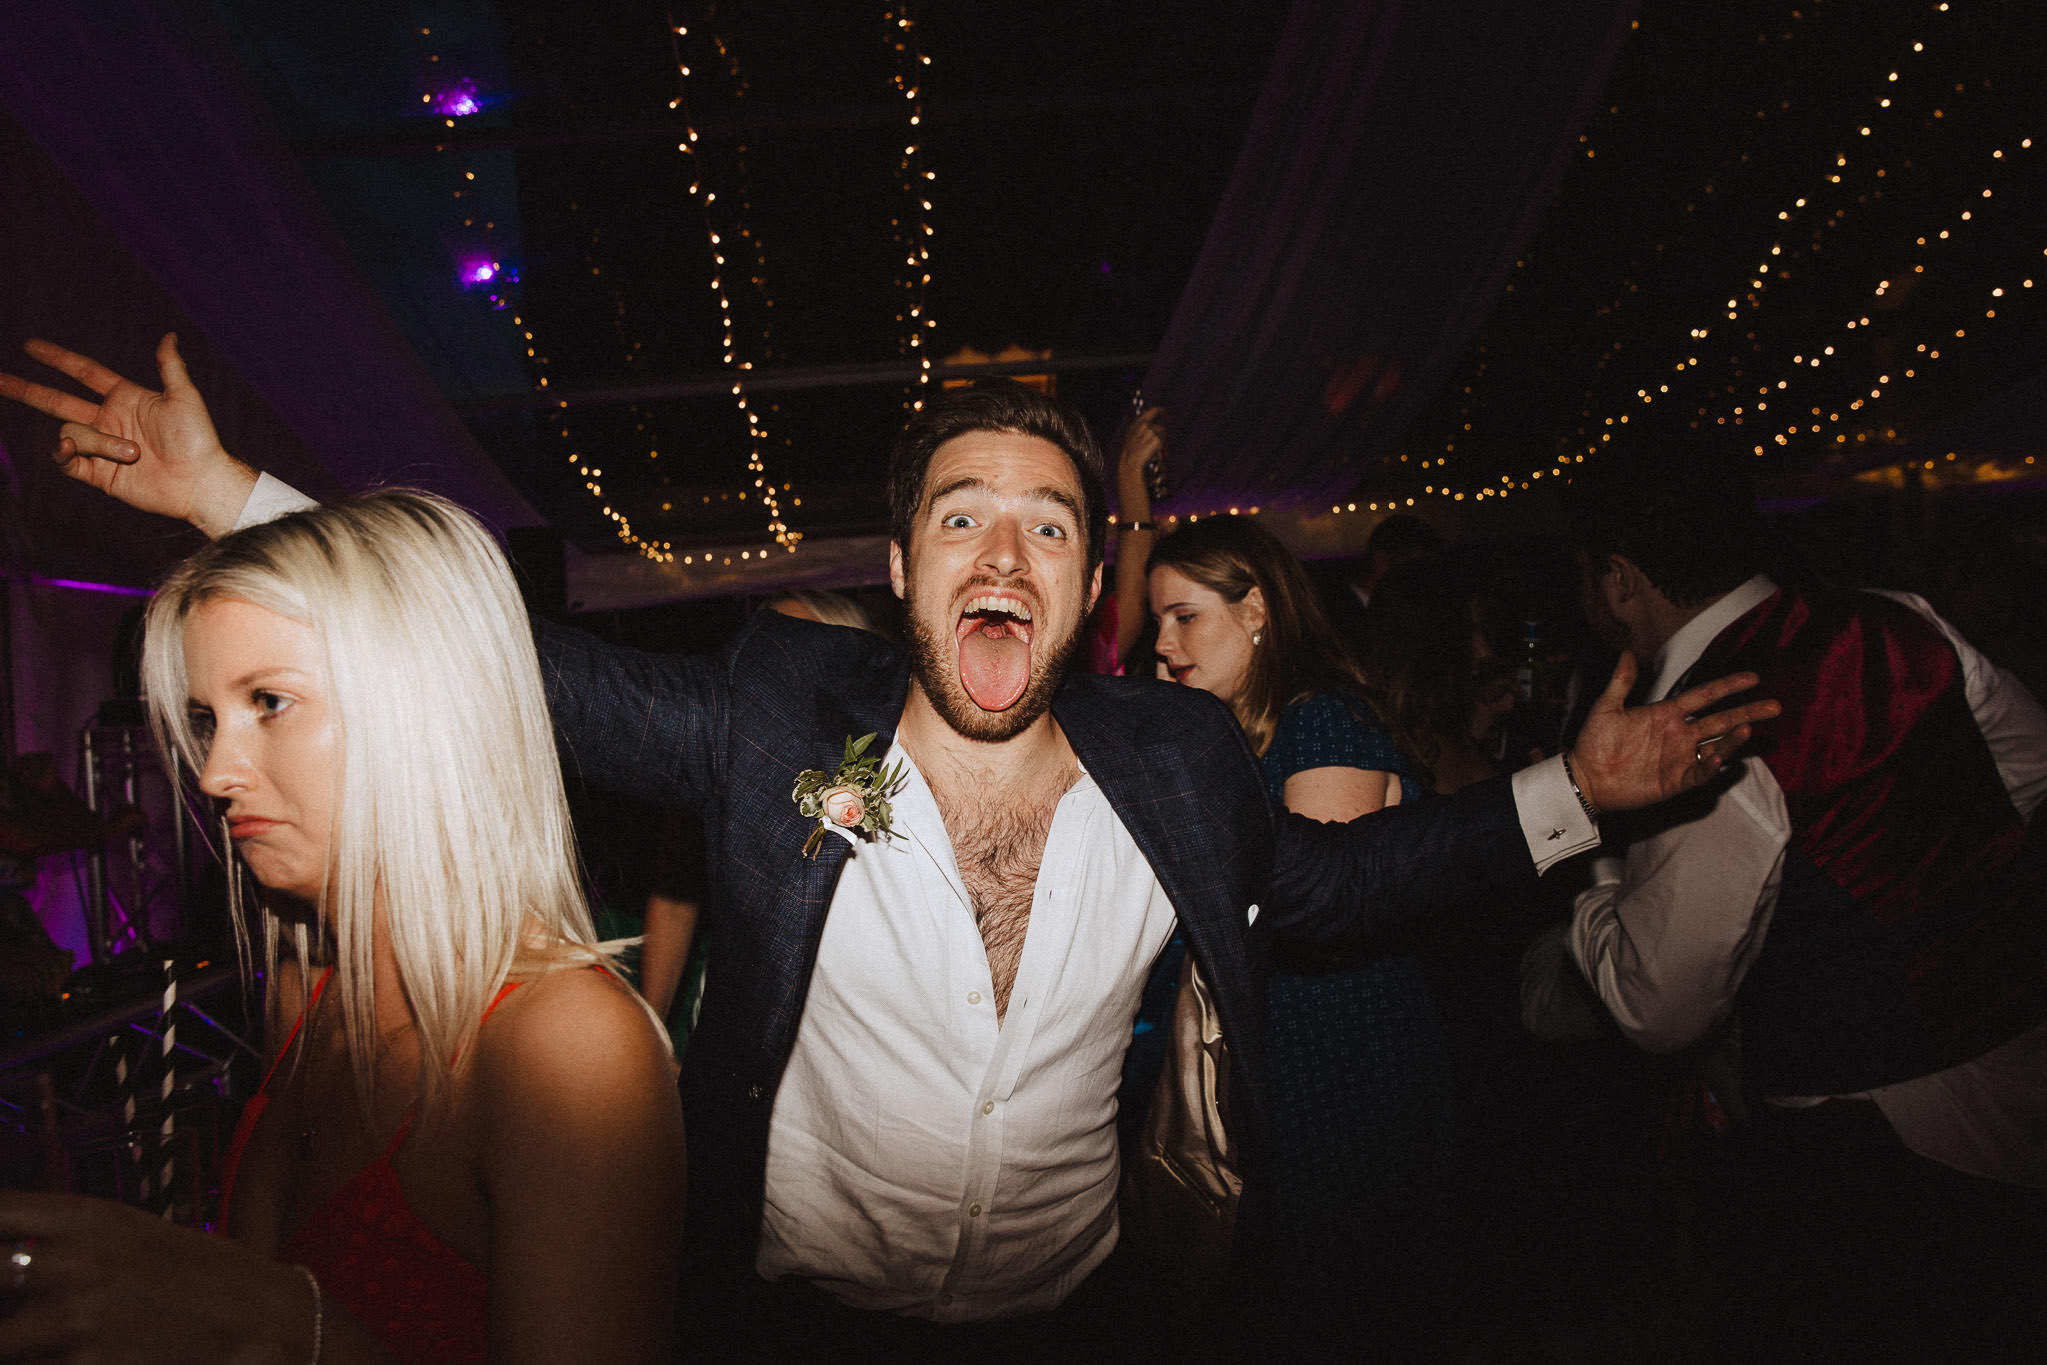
[1360,1079]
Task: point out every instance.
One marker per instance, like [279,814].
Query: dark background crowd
[1346,293]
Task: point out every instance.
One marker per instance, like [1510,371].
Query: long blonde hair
[449,809]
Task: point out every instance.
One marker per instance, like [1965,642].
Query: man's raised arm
[640,725]
[1357,883]
[152,449]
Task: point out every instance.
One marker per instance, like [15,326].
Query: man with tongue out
[901,1092]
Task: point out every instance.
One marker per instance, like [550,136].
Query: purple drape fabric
[141,106]
[1401,157]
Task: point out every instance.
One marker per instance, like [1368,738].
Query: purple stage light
[459,101]
[82,585]
[479,271]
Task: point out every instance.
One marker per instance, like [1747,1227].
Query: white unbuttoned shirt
[921,1158]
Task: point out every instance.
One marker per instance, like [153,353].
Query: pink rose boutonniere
[854,797]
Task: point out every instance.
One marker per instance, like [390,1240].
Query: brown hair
[1300,655]
[995,405]
[1416,652]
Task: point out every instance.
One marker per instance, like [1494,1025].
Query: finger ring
[1699,751]
[19,1259]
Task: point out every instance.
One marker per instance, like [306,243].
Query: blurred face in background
[259,704]
[1204,639]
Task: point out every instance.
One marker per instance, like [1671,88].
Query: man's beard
[934,665]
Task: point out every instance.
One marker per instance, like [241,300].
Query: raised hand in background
[153,449]
[1627,757]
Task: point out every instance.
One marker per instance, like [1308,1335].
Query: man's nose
[1002,549]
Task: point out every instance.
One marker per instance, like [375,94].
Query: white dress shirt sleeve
[1553,1007]
[1553,821]
[1667,943]
[270,499]
[2014,724]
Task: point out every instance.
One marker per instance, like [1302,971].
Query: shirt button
[973,1210]
[945,1300]
[973,997]
[988,1106]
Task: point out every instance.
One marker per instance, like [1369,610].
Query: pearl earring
[1257,638]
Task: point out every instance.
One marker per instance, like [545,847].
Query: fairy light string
[452,98]
[1774,265]
[1629,287]
[1846,182]
[912,225]
[700,191]
[740,87]
[1810,423]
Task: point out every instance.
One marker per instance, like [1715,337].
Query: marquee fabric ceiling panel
[1401,156]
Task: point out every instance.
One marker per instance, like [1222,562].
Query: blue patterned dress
[1360,1077]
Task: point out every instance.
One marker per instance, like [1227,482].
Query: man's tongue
[995,661]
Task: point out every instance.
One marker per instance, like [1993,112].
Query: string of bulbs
[1775,265]
[1929,349]
[1628,288]
[913,225]
[705,197]
[463,103]
[1834,181]
[914,239]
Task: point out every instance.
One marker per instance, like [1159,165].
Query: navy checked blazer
[728,735]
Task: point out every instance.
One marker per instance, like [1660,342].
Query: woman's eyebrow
[273,672]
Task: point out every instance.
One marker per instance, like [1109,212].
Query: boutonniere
[854,796]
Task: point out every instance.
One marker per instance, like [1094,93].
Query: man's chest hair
[999,848]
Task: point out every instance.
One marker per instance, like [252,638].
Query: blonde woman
[469,1145]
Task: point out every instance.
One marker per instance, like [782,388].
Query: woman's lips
[1179,671]
[249,826]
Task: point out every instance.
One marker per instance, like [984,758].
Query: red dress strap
[253,1110]
[296,1024]
[497,1000]
[405,1128]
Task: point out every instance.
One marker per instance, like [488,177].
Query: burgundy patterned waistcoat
[1911,932]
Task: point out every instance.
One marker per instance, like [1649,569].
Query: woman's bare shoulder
[571,1031]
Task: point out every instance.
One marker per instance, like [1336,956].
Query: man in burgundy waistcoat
[1854,915]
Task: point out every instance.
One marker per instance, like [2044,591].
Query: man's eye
[1050,530]
[958,521]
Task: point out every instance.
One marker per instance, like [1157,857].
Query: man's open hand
[153,450]
[1632,756]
